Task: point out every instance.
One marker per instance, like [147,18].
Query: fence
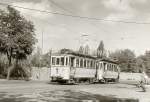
[40,73]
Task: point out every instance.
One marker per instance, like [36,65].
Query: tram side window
[53,60]
[111,66]
[77,62]
[94,63]
[97,66]
[72,61]
[88,62]
[104,64]
[66,60]
[108,67]
[101,66]
[62,61]
[57,61]
[91,64]
[81,63]
[115,68]
[84,63]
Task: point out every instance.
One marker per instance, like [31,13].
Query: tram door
[100,71]
[72,66]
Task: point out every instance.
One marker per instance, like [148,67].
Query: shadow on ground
[60,96]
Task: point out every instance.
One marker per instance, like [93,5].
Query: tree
[81,50]
[17,36]
[101,50]
[35,58]
[126,59]
[87,50]
[3,65]
[143,62]
[46,59]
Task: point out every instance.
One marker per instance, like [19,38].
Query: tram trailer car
[107,70]
[72,68]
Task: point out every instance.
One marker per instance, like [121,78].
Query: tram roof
[108,60]
[74,54]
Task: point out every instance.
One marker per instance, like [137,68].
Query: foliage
[22,70]
[126,59]
[42,60]
[35,58]
[101,50]
[143,62]
[46,60]
[17,35]
[87,50]
[81,50]
[84,50]
[3,65]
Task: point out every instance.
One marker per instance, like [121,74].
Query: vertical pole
[50,61]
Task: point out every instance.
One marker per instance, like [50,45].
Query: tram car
[107,70]
[71,67]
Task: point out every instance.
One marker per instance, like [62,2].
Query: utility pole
[41,56]
[50,60]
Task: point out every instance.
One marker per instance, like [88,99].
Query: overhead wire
[75,16]
[59,6]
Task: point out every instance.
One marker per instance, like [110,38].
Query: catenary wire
[74,16]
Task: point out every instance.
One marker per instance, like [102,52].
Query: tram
[107,71]
[69,67]
[72,67]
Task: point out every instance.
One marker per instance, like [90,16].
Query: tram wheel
[91,80]
[71,81]
[106,81]
[116,80]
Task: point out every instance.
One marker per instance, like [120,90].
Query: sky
[71,32]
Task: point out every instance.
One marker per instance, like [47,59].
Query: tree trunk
[9,69]
[8,73]
[10,65]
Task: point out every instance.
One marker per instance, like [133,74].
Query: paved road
[32,91]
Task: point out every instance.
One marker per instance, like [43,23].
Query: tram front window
[53,60]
